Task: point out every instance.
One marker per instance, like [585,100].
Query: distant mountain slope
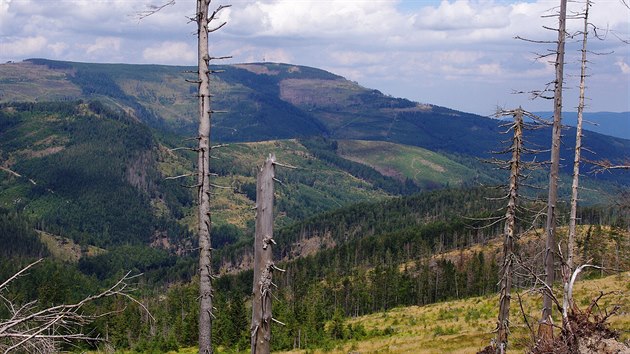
[267,101]
[84,169]
[91,165]
[404,161]
[607,123]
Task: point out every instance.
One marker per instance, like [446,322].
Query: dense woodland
[375,266]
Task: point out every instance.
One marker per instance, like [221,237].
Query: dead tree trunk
[567,301]
[203,182]
[263,262]
[508,241]
[545,330]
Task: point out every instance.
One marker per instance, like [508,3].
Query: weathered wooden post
[263,261]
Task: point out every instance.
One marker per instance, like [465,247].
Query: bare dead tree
[203,181]
[567,298]
[203,19]
[508,241]
[263,259]
[516,166]
[31,329]
[545,329]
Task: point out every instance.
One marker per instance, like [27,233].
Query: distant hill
[84,166]
[268,101]
[607,123]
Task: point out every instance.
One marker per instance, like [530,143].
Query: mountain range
[608,123]
[266,101]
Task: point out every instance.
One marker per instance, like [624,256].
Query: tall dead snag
[545,329]
[203,19]
[509,238]
[203,181]
[568,268]
[263,259]
[516,165]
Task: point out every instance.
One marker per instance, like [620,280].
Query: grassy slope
[65,249]
[314,185]
[465,326]
[27,82]
[402,161]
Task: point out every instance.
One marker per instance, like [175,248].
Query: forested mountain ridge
[267,101]
[91,165]
[76,160]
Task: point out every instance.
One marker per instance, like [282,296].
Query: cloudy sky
[455,53]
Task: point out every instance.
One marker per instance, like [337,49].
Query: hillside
[462,326]
[267,101]
[84,165]
[608,123]
[89,165]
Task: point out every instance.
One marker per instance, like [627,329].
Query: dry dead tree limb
[17,174]
[153,9]
[181,176]
[607,166]
[41,329]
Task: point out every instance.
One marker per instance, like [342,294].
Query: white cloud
[23,47]
[463,15]
[314,18]
[623,66]
[170,53]
[353,57]
[58,48]
[104,45]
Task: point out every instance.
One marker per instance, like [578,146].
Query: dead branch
[181,176]
[17,174]
[39,330]
[606,166]
[153,9]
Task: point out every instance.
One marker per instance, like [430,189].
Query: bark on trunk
[545,330]
[203,174]
[263,261]
[508,242]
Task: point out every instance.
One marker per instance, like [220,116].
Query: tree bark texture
[263,262]
[576,172]
[508,241]
[203,175]
[545,329]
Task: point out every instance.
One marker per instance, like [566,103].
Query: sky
[460,54]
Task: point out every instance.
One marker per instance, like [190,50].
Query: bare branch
[40,330]
[153,9]
[16,174]
[181,176]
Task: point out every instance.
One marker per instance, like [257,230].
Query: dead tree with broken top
[263,259]
[509,257]
[516,165]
